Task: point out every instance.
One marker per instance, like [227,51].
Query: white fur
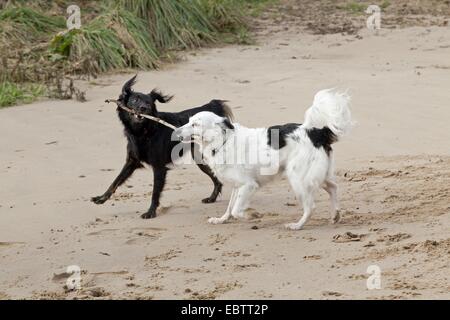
[330,109]
[307,168]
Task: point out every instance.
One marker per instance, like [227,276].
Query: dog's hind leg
[331,187]
[159,180]
[130,166]
[304,188]
[227,214]
[196,155]
[307,197]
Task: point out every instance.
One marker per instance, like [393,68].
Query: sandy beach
[393,173]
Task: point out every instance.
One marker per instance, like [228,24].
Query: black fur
[283,130]
[150,142]
[322,138]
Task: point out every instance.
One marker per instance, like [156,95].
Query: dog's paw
[99,199]
[293,226]
[209,200]
[148,215]
[216,220]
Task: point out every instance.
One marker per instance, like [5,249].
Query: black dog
[150,142]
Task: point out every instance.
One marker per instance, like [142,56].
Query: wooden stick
[161,121]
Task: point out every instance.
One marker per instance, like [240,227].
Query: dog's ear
[128,86]
[159,96]
[228,123]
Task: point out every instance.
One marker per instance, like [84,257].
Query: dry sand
[393,172]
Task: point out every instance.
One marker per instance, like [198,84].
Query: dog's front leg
[130,166]
[198,158]
[159,180]
[243,196]
[217,184]
[227,214]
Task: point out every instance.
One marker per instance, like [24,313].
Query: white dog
[302,152]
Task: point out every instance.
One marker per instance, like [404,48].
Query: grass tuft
[115,40]
[24,24]
[12,94]
[354,7]
[173,25]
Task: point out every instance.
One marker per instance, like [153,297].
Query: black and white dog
[302,152]
[150,142]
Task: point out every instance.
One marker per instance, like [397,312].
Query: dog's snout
[141,110]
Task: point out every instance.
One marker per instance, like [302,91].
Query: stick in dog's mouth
[140,116]
[119,104]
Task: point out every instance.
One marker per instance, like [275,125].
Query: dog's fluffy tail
[330,109]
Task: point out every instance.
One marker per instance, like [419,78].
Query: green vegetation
[22,24]
[174,24]
[12,94]
[359,7]
[354,7]
[385,4]
[36,47]
[112,41]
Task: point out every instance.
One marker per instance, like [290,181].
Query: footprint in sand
[219,289]
[331,294]
[144,235]
[154,261]
[393,238]
[312,257]
[217,239]
[348,237]
[244,267]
